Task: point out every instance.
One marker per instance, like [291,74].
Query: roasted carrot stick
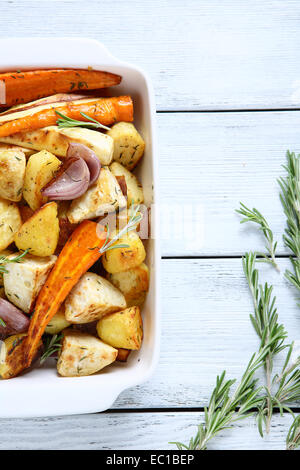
[79,253]
[22,87]
[105,110]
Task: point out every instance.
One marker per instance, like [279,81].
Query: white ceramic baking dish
[41,392]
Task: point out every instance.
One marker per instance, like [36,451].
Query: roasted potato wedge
[122,259]
[129,145]
[57,140]
[58,322]
[133,283]
[92,298]
[122,329]
[83,354]
[39,234]
[23,280]
[12,173]
[41,168]
[10,222]
[135,193]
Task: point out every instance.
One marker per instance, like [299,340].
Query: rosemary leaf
[91,123]
[290,200]
[110,244]
[293,436]
[52,344]
[226,407]
[256,217]
[6,260]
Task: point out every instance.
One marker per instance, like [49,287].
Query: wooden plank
[207,164]
[132,431]
[200,55]
[206,329]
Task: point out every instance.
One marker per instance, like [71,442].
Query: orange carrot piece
[22,87]
[105,110]
[79,253]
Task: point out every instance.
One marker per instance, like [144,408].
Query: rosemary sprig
[265,323]
[52,344]
[66,121]
[2,322]
[134,220]
[293,436]
[290,200]
[6,260]
[224,410]
[256,217]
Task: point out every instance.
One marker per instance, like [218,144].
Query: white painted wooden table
[227,80]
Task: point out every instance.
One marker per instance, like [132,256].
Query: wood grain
[211,161]
[128,431]
[200,54]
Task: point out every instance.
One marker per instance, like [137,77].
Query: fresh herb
[293,437]
[256,217]
[65,121]
[134,220]
[265,323]
[6,260]
[52,345]
[224,410]
[2,322]
[290,199]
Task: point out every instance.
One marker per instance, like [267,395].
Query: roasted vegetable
[57,98]
[58,322]
[122,329]
[40,169]
[3,255]
[12,172]
[135,193]
[83,354]
[79,253]
[10,222]
[122,259]
[129,146]
[57,140]
[123,354]
[102,197]
[6,348]
[71,181]
[24,280]
[39,234]
[12,320]
[133,283]
[105,110]
[22,87]
[92,298]
[27,152]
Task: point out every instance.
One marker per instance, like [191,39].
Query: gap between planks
[211,111]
